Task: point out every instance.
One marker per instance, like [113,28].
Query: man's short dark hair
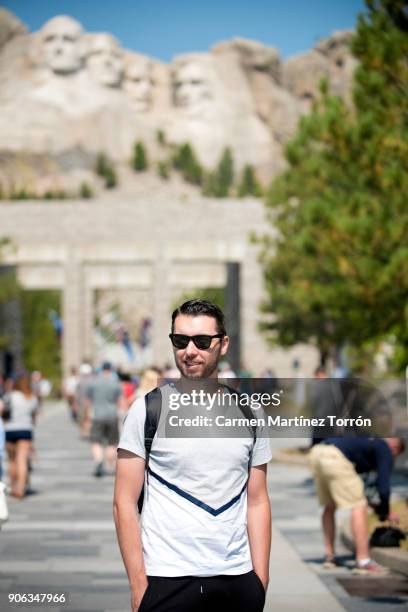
[194,308]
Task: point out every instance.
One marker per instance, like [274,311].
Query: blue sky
[164,28]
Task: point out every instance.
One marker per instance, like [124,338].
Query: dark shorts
[241,593]
[105,431]
[19,434]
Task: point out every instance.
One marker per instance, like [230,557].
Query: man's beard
[206,372]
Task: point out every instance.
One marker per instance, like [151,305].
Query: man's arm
[130,470]
[259,522]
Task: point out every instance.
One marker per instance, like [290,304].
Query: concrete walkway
[62,540]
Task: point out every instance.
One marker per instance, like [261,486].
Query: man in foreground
[337,463]
[205,534]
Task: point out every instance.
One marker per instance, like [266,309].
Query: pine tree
[9,290]
[85,191]
[41,346]
[163,170]
[249,185]
[186,161]
[337,269]
[219,182]
[101,164]
[111,179]
[139,162]
[106,170]
[161,137]
[225,174]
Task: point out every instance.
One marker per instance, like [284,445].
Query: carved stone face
[62,45]
[105,61]
[302,75]
[139,83]
[192,86]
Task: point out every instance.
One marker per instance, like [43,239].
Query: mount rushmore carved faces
[61,39]
[105,60]
[192,86]
[138,82]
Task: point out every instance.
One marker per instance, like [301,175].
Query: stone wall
[156,246]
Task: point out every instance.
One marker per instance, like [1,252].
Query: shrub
[249,183]
[163,170]
[85,191]
[106,170]
[161,137]
[219,182]
[139,161]
[186,162]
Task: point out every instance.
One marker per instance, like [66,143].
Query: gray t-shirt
[104,391]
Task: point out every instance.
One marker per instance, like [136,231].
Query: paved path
[62,540]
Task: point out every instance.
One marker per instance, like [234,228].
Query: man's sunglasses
[201,341]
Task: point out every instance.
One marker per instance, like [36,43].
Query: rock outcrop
[64,89]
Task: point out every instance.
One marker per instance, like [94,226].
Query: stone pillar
[254,348]
[88,320]
[161,312]
[72,314]
[233,316]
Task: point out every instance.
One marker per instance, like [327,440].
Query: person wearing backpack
[203,542]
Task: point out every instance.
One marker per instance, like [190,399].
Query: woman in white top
[23,406]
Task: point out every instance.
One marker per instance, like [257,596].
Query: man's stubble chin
[206,372]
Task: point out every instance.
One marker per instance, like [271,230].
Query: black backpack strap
[248,414]
[153,401]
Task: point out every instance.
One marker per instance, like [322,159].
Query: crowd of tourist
[98,400]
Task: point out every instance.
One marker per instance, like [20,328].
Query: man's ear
[224,346]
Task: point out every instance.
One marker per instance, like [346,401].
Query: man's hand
[265,581]
[138,591]
[394,517]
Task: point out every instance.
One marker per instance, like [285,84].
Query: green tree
[161,137]
[185,160]
[219,182]
[102,163]
[139,161]
[111,179]
[85,191]
[106,170]
[336,270]
[9,290]
[249,185]
[163,169]
[41,346]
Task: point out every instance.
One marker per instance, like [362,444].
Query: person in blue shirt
[336,464]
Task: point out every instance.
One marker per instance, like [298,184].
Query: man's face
[105,61]
[139,84]
[192,87]
[192,362]
[395,446]
[61,41]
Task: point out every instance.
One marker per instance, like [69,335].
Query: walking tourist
[23,406]
[103,394]
[70,390]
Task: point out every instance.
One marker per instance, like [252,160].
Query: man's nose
[191,348]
